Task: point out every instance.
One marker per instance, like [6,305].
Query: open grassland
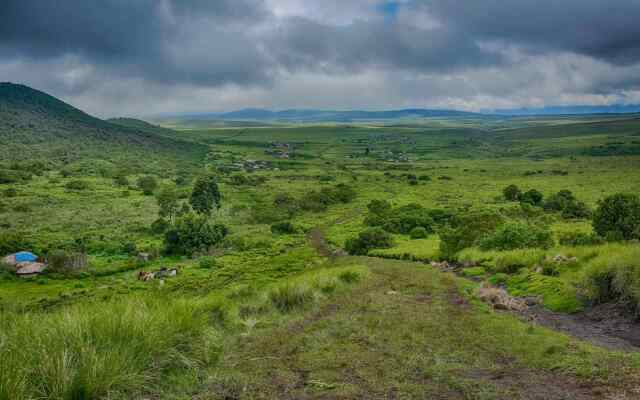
[278,311]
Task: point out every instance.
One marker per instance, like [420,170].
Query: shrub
[466,230]
[424,178]
[512,193]
[565,202]
[160,226]
[401,219]
[10,192]
[205,197]
[9,176]
[372,238]
[76,185]
[618,217]
[580,239]
[148,184]
[129,248]
[289,297]
[208,262]
[192,233]
[121,180]
[349,276]
[418,232]
[283,228]
[379,207]
[532,197]
[12,242]
[518,235]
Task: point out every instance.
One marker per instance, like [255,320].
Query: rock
[144,257]
[392,292]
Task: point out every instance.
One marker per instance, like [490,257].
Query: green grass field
[287,315]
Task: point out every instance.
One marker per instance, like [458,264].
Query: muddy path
[607,325]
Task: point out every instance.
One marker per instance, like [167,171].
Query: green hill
[35,125]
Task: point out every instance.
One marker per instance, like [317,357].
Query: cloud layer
[118,57]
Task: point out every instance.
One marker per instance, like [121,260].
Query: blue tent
[25,256]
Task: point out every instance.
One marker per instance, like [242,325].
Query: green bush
[160,226]
[372,238]
[208,262]
[518,235]
[618,217]
[148,185]
[565,202]
[76,185]
[192,233]
[466,230]
[12,242]
[121,180]
[9,176]
[283,228]
[532,197]
[10,192]
[401,219]
[579,239]
[512,193]
[418,232]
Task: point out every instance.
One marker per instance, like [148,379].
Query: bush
[580,239]
[565,202]
[532,197]
[208,262]
[283,228]
[618,217]
[372,238]
[418,232]
[10,192]
[512,193]
[160,226]
[12,242]
[518,235]
[148,184]
[8,176]
[76,185]
[466,230]
[193,233]
[379,207]
[401,219]
[121,180]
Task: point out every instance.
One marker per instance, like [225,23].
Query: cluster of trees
[187,225]
[405,219]
[563,202]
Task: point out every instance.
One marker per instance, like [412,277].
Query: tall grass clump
[94,351]
[614,275]
[291,296]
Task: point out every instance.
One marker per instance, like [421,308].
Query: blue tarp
[25,256]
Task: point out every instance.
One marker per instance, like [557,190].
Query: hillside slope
[34,124]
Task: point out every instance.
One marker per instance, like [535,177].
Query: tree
[121,180]
[193,233]
[148,184]
[518,235]
[512,193]
[167,199]
[372,238]
[205,197]
[532,197]
[618,217]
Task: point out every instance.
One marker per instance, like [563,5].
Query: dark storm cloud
[608,30]
[430,51]
[303,43]
[154,39]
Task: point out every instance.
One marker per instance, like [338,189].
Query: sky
[148,57]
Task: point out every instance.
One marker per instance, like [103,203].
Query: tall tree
[205,197]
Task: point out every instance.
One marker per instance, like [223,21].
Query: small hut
[25,264]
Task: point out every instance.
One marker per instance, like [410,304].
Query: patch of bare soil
[606,325]
[319,243]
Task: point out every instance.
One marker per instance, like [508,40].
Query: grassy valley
[444,257]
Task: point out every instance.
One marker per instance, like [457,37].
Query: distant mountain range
[568,110]
[311,115]
[258,114]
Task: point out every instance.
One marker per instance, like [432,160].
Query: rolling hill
[34,124]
